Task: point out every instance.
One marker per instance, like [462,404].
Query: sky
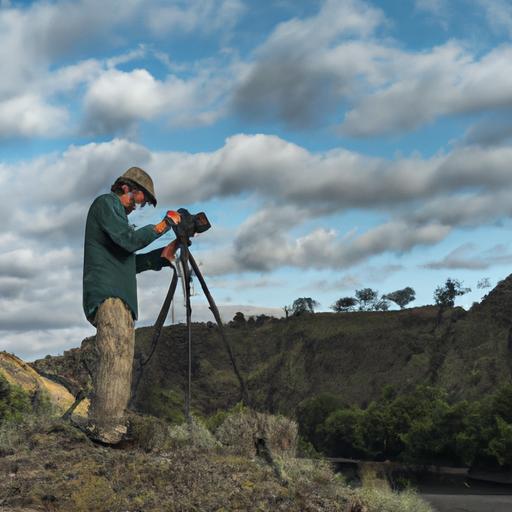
[334,145]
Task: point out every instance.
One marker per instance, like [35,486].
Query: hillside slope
[21,374]
[351,354]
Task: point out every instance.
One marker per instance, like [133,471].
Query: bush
[312,412]
[214,421]
[153,434]
[14,402]
[194,435]
[343,433]
[240,429]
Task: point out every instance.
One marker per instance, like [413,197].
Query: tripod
[188,264]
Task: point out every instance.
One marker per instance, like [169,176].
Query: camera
[191,224]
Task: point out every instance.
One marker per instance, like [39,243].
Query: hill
[353,355]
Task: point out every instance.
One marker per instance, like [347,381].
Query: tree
[261,319]
[369,300]
[366,298]
[312,412]
[344,304]
[381,304]
[304,305]
[445,295]
[238,320]
[343,433]
[402,297]
[483,283]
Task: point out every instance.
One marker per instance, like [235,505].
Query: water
[447,492]
[460,494]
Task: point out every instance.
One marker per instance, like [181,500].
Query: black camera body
[191,224]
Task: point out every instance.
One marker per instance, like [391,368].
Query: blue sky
[334,145]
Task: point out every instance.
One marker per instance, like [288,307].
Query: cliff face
[351,354]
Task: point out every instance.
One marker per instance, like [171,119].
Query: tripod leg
[157,330]
[184,258]
[216,314]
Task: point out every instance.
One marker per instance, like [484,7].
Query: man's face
[130,199]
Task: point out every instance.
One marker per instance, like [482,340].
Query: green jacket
[110,262]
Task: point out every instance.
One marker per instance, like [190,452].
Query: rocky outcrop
[21,374]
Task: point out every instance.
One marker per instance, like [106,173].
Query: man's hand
[171,219]
[169,251]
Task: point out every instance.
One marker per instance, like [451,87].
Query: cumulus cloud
[333,67]
[290,184]
[37,41]
[448,80]
[29,115]
[302,69]
[118,99]
[489,132]
[311,69]
[273,168]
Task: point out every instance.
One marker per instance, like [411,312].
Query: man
[110,292]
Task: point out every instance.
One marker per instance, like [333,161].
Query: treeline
[420,427]
[368,299]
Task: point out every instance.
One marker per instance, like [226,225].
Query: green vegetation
[344,305]
[445,295]
[14,402]
[420,427]
[402,297]
[367,299]
[303,305]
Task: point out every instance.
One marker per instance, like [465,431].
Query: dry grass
[239,430]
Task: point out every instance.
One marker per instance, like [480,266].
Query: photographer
[110,292]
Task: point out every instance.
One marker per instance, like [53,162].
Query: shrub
[240,429]
[14,402]
[194,435]
[312,412]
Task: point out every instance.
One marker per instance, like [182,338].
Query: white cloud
[117,98]
[309,69]
[333,63]
[448,80]
[498,14]
[29,116]
[38,41]
[199,16]
[306,66]
[469,256]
